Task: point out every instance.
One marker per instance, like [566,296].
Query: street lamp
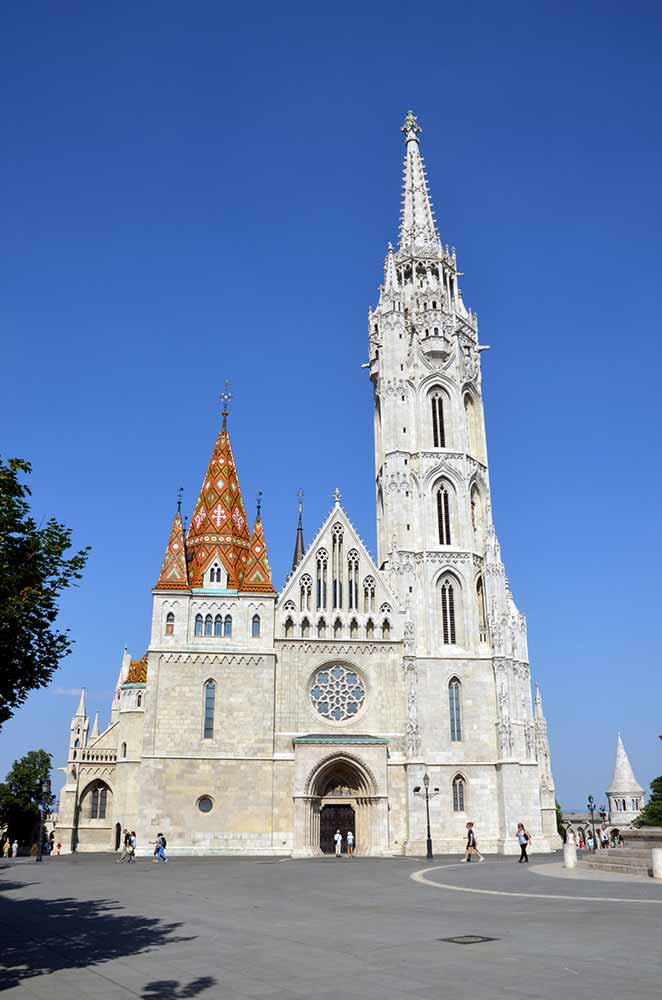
[45,792]
[591,809]
[426,784]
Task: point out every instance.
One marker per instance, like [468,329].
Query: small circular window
[205,804]
[337,692]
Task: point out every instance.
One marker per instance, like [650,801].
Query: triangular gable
[367,567]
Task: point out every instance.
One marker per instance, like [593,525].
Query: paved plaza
[84,926]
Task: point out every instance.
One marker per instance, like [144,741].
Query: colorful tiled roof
[137,671]
[258,571]
[174,571]
[219,528]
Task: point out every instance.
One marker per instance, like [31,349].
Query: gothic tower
[435,536]
[625,795]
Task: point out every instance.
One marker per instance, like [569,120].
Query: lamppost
[45,793]
[426,785]
[591,809]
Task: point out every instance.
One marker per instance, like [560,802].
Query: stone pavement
[79,927]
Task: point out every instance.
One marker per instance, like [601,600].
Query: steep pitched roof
[174,571]
[137,671]
[624,780]
[258,572]
[219,527]
[418,229]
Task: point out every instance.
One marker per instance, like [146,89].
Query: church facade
[261,721]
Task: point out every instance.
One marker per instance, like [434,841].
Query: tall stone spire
[95,727]
[299,547]
[418,230]
[538,712]
[623,781]
[81,711]
[219,528]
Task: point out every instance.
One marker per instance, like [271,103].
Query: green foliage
[559,821]
[22,794]
[651,814]
[33,573]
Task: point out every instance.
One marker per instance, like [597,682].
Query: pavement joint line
[419,877]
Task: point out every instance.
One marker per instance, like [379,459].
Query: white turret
[625,794]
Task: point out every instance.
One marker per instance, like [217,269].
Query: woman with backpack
[160,845]
[523,839]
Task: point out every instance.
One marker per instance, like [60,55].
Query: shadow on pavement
[39,936]
[169,989]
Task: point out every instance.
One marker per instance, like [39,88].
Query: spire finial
[225,398]
[336,496]
[179,499]
[300,503]
[410,128]
[259,505]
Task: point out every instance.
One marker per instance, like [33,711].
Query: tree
[33,573]
[22,795]
[559,821]
[651,814]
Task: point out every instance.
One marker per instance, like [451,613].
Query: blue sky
[194,193]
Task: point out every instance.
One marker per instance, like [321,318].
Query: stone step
[634,869]
[619,857]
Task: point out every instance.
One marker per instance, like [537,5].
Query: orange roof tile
[174,571]
[258,571]
[137,671]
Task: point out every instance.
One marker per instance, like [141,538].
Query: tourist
[605,839]
[472,846]
[6,849]
[14,849]
[58,848]
[125,847]
[131,849]
[159,848]
[523,839]
[337,837]
[350,843]
[590,843]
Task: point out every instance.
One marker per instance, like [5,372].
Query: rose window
[337,693]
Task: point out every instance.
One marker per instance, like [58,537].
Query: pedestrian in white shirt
[337,837]
[350,843]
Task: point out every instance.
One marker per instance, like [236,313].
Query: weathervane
[259,503]
[300,499]
[225,398]
[179,499]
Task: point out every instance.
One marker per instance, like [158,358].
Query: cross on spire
[179,499]
[259,503]
[225,398]
[336,496]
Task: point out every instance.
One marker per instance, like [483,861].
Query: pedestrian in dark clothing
[523,840]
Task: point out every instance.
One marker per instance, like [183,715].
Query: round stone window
[205,804]
[337,692]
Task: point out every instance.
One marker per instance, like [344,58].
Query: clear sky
[197,192]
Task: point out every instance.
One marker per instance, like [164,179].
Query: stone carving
[504,730]
[413,734]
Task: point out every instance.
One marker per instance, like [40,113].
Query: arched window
[139,699]
[386,630]
[368,594]
[198,625]
[337,563]
[255,627]
[305,588]
[99,801]
[103,801]
[370,629]
[322,561]
[208,625]
[482,618]
[227,627]
[353,580]
[448,612]
[123,754]
[458,794]
[321,629]
[170,623]
[94,804]
[455,704]
[438,429]
[353,629]
[444,515]
[289,628]
[218,626]
[305,628]
[210,702]
[337,629]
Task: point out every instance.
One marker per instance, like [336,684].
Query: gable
[349,586]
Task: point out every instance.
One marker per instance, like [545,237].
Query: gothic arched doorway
[341,798]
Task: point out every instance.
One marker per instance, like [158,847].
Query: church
[367,694]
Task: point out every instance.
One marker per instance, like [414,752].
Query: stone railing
[98,756]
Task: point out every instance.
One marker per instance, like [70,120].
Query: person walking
[350,844]
[337,837]
[6,849]
[125,847]
[523,839]
[472,847]
[14,849]
[131,849]
[159,848]
[58,848]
